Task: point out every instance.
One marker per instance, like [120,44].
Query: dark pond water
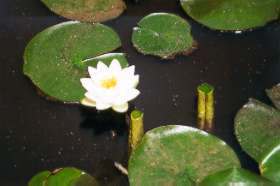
[36,134]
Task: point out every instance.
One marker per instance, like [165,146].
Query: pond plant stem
[136,130]
[205,106]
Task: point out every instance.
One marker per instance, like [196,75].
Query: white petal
[102,106]
[115,66]
[87,84]
[129,71]
[92,71]
[120,108]
[132,94]
[125,96]
[120,98]
[101,67]
[87,102]
[135,81]
[91,96]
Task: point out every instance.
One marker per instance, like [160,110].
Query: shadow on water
[108,127]
[104,121]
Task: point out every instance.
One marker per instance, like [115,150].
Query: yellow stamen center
[108,83]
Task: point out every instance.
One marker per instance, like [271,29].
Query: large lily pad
[57,58]
[232,14]
[163,35]
[87,10]
[257,127]
[68,176]
[235,176]
[169,155]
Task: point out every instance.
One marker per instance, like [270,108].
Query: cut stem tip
[205,106]
[136,129]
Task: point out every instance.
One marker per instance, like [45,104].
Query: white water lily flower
[110,86]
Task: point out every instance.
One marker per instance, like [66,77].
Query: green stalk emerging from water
[205,106]
[136,130]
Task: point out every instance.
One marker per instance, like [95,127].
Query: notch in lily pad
[164,35]
[88,11]
[57,58]
[68,176]
[232,15]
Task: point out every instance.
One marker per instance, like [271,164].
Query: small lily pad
[87,10]
[235,176]
[274,95]
[58,57]
[84,180]
[163,35]
[231,15]
[68,176]
[257,127]
[39,179]
[175,154]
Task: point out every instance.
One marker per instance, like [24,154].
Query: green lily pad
[230,15]
[39,179]
[257,127]
[163,35]
[270,165]
[169,155]
[87,10]
[57,58]
[68,176]
[274,95]
[235,176]
[84,180]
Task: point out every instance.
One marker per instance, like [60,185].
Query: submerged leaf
[163,35]
[175,154]
[56,58]
[88,11]
[232,14]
